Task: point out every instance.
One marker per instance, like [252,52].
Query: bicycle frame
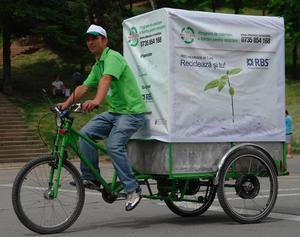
[66,136]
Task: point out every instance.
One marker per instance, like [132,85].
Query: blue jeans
[117,128]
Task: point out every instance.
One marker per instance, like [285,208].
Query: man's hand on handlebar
[63,106]
[90,105]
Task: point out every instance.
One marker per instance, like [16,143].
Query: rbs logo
[258,62]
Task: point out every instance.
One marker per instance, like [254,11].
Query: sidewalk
[293,164]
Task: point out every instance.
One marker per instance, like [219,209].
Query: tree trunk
[153,4]
[237,5]
[265,10]
[214,5]
[130,5]
[295,56]
[6,33]
[264,4]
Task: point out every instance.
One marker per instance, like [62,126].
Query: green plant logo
[221,82]
[187,35]
[133,38]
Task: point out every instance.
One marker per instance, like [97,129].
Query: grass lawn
[293,106]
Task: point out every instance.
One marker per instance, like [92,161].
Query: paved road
[153,218]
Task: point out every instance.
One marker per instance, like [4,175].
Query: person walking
[289,133]
[114,79]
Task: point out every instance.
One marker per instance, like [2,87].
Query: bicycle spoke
[247,193]
[38,205]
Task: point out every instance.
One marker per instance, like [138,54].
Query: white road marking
[274,215]
[40,188]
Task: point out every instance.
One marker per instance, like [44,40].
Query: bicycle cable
[39,130]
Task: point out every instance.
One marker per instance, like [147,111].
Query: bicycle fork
[56,167]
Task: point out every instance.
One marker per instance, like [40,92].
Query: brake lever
[77,108]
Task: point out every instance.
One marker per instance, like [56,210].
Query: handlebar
[77,108]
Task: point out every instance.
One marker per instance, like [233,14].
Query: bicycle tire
[37,193]
[254,189]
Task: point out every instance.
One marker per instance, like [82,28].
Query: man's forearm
[77,94]
[103,88]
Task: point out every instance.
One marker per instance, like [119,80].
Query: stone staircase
[17,142]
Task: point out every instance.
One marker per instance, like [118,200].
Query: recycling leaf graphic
[221,83]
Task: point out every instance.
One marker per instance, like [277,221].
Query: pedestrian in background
[58,87]
[288,133]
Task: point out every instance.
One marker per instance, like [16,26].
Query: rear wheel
[248,186]
[196,200]
[33,203]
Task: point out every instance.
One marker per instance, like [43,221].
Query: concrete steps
[18,137]
[21,146]
[24,150]
[18,143]
[20,158]
[12,124]
[21,142]
[4,120]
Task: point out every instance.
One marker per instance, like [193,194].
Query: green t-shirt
[124,96]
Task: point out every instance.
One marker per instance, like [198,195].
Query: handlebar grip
[55,109]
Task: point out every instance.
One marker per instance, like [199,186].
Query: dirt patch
[25,45]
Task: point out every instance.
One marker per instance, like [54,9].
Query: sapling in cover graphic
[221,82]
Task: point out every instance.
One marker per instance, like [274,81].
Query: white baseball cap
[96,31]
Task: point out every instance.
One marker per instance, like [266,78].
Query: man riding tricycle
[202,106]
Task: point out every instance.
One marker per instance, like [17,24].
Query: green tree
[110,15]
[289,9]
[65,34]
[257,4]
[237,6]
[59,23]
[185,4]
[215,4]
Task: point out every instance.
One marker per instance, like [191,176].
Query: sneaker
[133,199]
[89,184]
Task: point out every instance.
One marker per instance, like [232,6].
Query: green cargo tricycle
[244,178]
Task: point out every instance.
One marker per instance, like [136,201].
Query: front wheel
[248,186]
[33,203]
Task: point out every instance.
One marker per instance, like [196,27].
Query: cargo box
[210,81]
[208,77]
